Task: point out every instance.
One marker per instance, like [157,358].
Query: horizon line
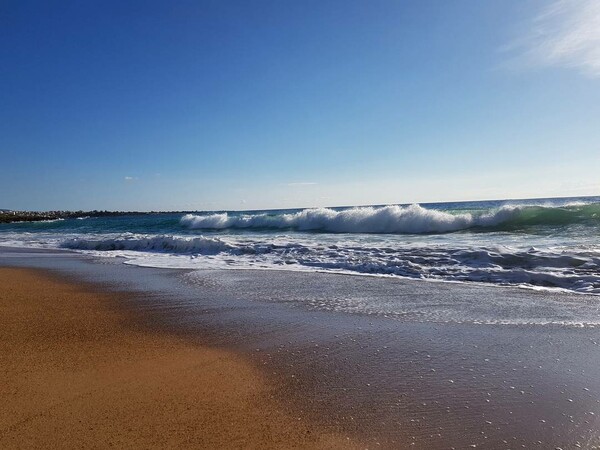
[167,211]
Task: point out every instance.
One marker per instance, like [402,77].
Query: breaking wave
[413,219]
[542,245]
[170,244]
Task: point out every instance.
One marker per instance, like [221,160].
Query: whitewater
[536,244]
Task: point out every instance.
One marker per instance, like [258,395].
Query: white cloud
[129,179]
[565,34]
[303,183]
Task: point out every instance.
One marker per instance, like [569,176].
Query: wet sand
[76,371]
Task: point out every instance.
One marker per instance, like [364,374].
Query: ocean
[536,244]
[461,324]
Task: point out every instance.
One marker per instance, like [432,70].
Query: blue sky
[269,104]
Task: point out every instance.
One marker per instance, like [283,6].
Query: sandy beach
[96,353]
[78,372]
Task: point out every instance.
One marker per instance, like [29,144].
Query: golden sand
[76,371]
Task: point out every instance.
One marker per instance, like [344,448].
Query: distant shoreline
[38,216]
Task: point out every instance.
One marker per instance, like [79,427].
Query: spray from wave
[413,219]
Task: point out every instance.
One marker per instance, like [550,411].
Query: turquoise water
[541,243]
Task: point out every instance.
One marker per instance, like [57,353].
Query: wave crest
[413,219]
[387,219]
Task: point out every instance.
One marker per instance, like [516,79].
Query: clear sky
[267,104]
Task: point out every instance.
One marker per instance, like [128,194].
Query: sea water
[538,244]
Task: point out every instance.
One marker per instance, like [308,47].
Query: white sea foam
[575,270]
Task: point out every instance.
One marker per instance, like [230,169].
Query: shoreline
[78,370]
[385,382]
